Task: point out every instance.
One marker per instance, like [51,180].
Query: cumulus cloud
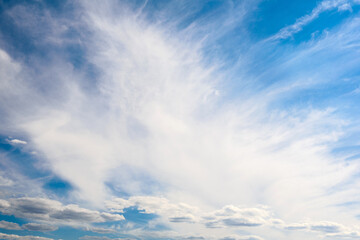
[327,227]
[228,216]
[51,210]
[9,225]
[178,236]
[39,227]
[101,230]
[15,237]
[238,237]
[344,235]
[27,226]
[99,238]
[4,204]
[232,216]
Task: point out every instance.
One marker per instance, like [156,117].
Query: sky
[167,119]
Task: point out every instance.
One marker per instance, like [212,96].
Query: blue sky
[219,120]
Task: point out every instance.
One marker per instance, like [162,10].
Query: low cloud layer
[39,227]
[15,237]
[9,225]
[53,211]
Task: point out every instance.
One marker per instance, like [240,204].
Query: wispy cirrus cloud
[323,6]
[122,102]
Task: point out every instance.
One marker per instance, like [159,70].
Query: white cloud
[39,227]
[327,227]
[9,225]
[156,129]
[297,226]
[50,210]
[5,181]
[100,238]
[345,7]
[8,71]
[4,204]
[175,213]
[151,120]
[15,237]
[238,237]
[325,5]
[175,235]
[344,235]
[232,216]
[101,230]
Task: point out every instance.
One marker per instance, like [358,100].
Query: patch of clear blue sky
[132,214]
[26,164]
[19,160]
[11,218]
[58,186]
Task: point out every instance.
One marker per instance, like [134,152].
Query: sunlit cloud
[177,120]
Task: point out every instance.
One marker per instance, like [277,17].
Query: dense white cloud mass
[236,217]
[151,123]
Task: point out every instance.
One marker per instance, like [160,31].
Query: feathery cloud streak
[120,100]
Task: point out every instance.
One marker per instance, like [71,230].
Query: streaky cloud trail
[144,111]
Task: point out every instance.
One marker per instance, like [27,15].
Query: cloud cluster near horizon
[125,103]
